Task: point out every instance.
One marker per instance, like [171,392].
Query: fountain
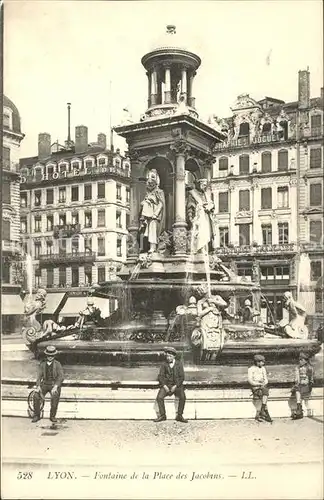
[173,289]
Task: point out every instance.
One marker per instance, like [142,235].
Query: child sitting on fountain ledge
[258,380]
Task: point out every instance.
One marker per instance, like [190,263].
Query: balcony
[10,166]
[66,230]
[257,249]
[10,246]
[66,258]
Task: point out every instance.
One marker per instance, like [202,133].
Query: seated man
[171,378]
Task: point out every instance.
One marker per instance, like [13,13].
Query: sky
[68,51]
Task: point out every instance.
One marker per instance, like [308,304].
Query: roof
[67,155]
[16,126]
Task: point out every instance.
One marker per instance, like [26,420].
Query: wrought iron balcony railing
[257,249]
[11,246]
[66,231]
[64,258]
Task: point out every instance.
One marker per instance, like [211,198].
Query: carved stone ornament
[180,240]
[244,101]
[134,154]
[180,146]
[132,244]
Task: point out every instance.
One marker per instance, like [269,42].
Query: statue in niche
[201,218]
[152,213]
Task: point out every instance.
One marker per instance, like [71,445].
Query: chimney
[303,89]
[81,139]
[44,145]
[102,140]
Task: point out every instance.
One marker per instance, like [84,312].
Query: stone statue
[201,209]
[32,329]
[248,313]
[90,316]
[295,327]
[152,212]
[256,274]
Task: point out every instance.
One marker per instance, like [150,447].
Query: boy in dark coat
[49,379]
[171,378]
[304,381]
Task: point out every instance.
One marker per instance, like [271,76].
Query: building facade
[11,278]
[74,204]
[268,192]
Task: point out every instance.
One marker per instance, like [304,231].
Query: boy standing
[304,381]
[258,380]
[49,379]
[171,378]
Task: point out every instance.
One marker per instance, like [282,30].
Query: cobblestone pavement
[204,459]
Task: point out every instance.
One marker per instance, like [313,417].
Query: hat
[170,350]
[258,357]
[50,350]
[247,302]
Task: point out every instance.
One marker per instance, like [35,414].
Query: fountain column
[154,89]
[167,92]
[184,84]
[180,149]
[135,196]
[148,74]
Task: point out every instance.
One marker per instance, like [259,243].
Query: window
[5,271]
[49,196]
[37,249]
[245,271]
[23,225]
[266,162]
[88,164]
[244,164]
[6,158]
[37,198]
[38,173]
[101,247]
[283,159]
[283,134]
[244,199]
[223,236]
[75,276]
[118,220]
[6,195]
[282,197]
[75,246]
[101,218]
[50,171]
[319,300]
[266,234]
[315,158]
[75,165]
[127,195]
[101,190]
[87,191]
[102,162]
[49,223]
[223,167]
[6,120]
[283,233]
[315,195]
[62,276]
[316,270]
[62,246]
[49,248]
[127,221]
[62,220]
[316,125]
[223,202]
[244,129]
[38,223]
[88,275]
[118,192]
[315,231]
[62,195]
[281,273]
[50,278]
[119,247]
[88,245]
[75,193]
[6,230]
[23,200]
[266,198]
[63,168]
[75,218]
[244,234]
[101,274]
[87,219]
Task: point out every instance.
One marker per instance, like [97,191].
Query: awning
[11,304]
[53,301]
[76,304]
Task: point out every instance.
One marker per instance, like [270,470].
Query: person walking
[304,381]
[171,378]
[49,379]
[258,380]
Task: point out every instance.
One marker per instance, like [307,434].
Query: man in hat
[171,378]
[50,378]
[258,380]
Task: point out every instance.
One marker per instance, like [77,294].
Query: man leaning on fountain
[49,379]
[171,378]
